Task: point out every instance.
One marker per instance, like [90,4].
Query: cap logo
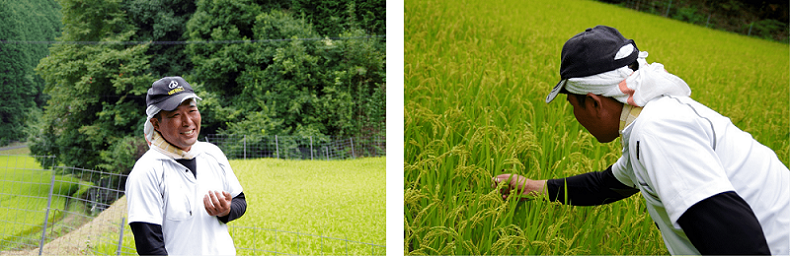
[173,84]
[176,90]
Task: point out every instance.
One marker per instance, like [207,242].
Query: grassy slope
[476,75]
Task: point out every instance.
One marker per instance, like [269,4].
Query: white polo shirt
[679,152]
[161,191]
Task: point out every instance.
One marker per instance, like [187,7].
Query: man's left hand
[217,204]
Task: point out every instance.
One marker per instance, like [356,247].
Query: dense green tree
[293,86]
[162,21]
[332,17]
[97,90]
[22,97]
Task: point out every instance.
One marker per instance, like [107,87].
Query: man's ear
[155,123]
[596,102]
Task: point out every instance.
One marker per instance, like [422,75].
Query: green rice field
[339,199]
[476,76]
[292,203]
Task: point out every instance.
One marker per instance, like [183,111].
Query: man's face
[181,126]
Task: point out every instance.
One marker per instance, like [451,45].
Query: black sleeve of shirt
[724,224]
[238,206]
[148,238]
[594,188]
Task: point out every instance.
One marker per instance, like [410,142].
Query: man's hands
[519,186]
[217,204]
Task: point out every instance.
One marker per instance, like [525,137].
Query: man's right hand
[519,186]
[217,204]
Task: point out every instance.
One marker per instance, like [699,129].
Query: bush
[767,29]
[688,14]
[121,156]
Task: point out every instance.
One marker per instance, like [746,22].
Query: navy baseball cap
[594,51]
[169,92]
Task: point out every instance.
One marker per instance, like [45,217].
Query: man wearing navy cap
[709,186]
[174,206]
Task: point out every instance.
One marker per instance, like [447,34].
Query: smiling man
[174,206]
[709,186]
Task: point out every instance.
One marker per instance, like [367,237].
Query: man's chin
[189,139]
[190,142]
[185,145]
[605,140]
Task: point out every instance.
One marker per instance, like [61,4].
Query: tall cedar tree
[93,118]
[22,97]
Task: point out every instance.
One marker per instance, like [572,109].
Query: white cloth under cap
[634,88]
[148,128]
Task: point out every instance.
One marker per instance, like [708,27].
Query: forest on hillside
[22,98]
[80,72]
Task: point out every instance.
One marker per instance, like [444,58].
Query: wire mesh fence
[736,18]
[67,210]
[39,207]
[23,198]
[298,147]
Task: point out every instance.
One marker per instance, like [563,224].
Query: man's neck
[163,146]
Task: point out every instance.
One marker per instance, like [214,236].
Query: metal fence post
[708,22]
[277,146]
[750,28]
[311,147]
[46,216]
[120,238]
[245,147]
[327,152]
[353,155]
[668,6]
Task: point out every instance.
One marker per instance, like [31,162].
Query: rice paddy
[476,75]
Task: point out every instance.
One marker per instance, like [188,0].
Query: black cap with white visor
[594,51]
[169,92]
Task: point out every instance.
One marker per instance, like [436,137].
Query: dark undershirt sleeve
[148,238]
[238,206]
[594,188]
[724,224]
